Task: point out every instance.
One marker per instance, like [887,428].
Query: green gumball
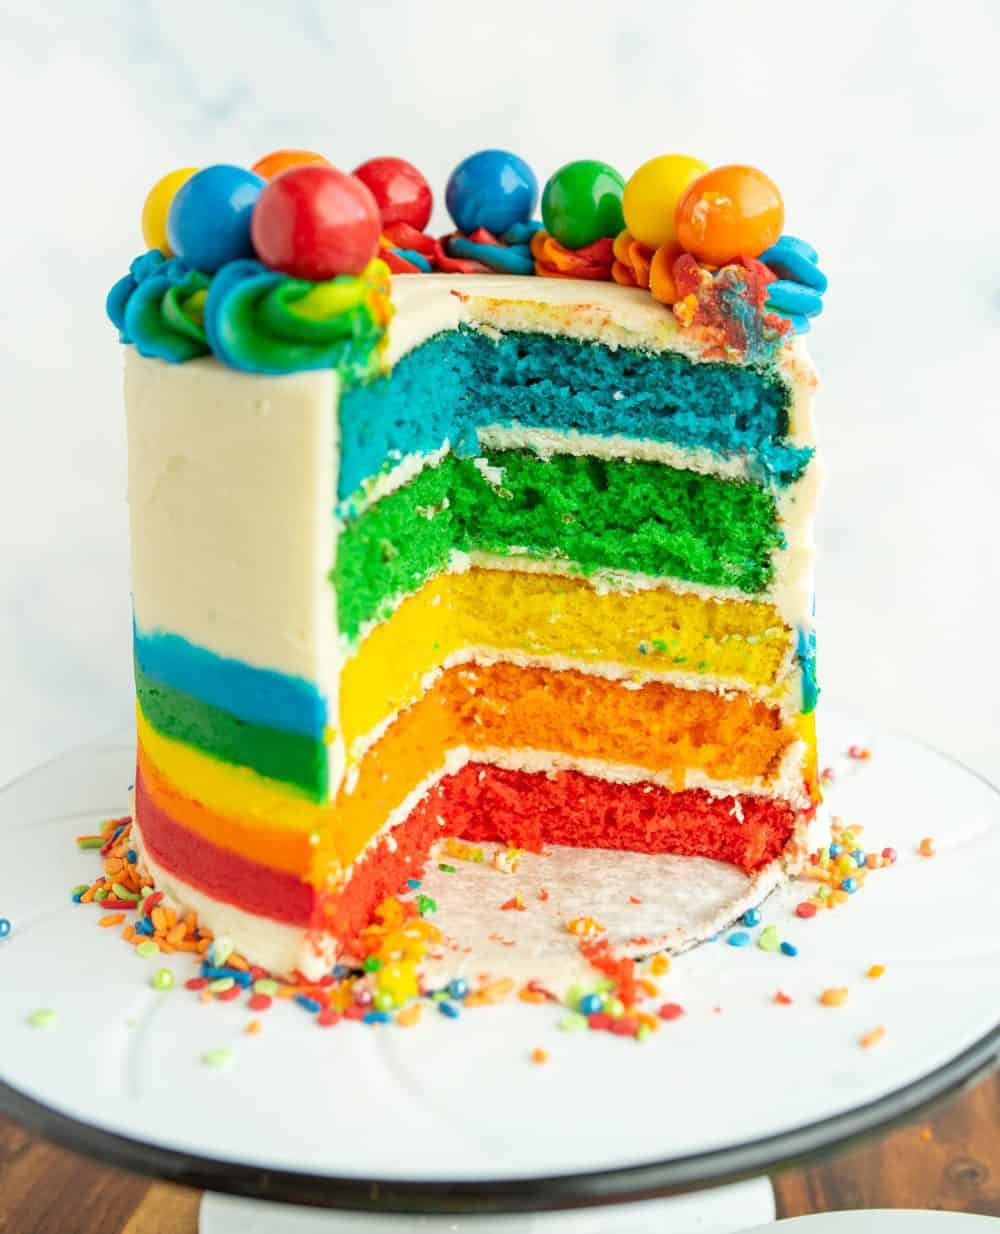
[582,202]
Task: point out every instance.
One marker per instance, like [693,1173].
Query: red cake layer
[532,809]
[481,804]
[219,872]
[383,870]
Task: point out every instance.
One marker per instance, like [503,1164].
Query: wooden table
[950,1161]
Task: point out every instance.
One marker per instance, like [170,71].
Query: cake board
[450,1123]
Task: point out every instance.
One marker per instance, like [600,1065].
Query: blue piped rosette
[511,256]
[150,308]
[797,292]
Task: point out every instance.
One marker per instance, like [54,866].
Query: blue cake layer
[461,380]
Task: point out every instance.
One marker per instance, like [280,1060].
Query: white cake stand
[450,1123]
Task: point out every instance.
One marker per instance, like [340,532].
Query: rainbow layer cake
[503,535]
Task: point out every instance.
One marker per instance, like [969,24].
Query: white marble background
[878,120]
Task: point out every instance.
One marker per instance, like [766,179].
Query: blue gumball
[209,220]
[492,189]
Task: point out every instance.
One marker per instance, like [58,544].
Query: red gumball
[315,222]
[402,193]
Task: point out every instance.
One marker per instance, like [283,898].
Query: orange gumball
[729,212]
[277,161]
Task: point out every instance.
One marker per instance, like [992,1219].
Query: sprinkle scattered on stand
[876,971]
[782,999]
[219,1057]
[739,938]
[538,1055]
[671,1011]
[253,1028]
[873,1037]
[835,996]
[163,979]
[45,1017]
[752,917]
[507,860]
[927,847]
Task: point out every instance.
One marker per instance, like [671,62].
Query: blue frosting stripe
[256,695]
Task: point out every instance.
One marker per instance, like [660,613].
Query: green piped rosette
[164,318]
[259,321]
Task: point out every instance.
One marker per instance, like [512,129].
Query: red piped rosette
[405,237]
[555,260]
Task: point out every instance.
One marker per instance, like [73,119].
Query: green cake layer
[598,514]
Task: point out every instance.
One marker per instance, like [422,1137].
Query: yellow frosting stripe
[550,615]
[228,789]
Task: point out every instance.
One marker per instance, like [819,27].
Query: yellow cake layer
[535,614]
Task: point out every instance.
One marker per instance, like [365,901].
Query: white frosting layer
[230,484]
[274,945]
[617,316]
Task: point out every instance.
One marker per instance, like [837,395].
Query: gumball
[729,212]
[652,194]
[315,223]
[157,205]
[209,220]
[401,192]
[277,161]
[492,189]
[582,202]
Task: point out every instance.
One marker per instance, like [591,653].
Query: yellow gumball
[156,207]
[652,194]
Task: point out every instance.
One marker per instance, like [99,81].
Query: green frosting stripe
[598,514]
[275,753]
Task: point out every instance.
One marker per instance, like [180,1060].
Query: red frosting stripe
[218,872]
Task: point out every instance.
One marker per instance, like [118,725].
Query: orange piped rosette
[638,265]
[555,260]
